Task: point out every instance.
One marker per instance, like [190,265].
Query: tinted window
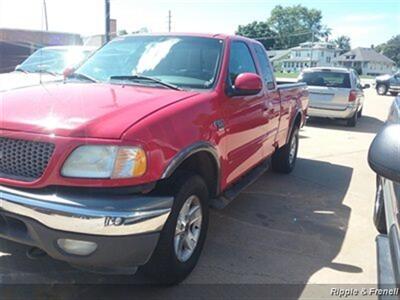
[266,70]
[240,60]
[184,61]
[328,79]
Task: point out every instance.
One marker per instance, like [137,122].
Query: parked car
[45,65]
[334,93]
[117,166]
[388,83]
[384,159]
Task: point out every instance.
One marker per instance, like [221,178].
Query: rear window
[328,79]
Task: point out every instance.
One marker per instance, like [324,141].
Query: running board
[231,193]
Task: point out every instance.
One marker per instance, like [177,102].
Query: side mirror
[68,72]
[384,153]
[366,86]
[247,84]
[17,67]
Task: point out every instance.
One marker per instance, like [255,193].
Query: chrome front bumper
[105,215]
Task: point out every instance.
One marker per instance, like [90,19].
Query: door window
[240,61]
[266,70]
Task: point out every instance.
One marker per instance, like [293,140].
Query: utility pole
[107,17]
[45,15]
[169,20]
[312,45]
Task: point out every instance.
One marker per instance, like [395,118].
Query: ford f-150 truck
[116,167]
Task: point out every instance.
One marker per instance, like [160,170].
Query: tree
[287,27]
[295,24]
[122,32]
[391,49]
[343,42]
[258,30]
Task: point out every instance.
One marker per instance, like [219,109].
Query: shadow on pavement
[365,124]
[279,231]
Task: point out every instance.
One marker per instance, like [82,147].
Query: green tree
[258,30]
[343,42]
[122,32]
[295,24]
[287,27]
[391,49]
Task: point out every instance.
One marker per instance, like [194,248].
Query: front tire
[379,208]
[284,159]
[182,238]
[381,89]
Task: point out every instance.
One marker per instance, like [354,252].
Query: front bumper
[323,112]
[124,227]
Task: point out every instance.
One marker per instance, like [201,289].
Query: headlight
[105,162]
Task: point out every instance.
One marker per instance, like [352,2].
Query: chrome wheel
[188,227]
[293,149]
[381,89]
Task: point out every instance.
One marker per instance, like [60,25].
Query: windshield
[53,60]
[327,78]
[187,62]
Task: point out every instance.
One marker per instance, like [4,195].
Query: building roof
[275,55]
[364,54]
[317,45]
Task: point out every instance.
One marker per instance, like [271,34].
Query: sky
[366,22]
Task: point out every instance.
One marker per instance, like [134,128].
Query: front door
[245,123]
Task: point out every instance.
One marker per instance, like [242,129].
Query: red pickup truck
[117,166]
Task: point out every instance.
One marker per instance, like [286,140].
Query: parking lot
[312,226]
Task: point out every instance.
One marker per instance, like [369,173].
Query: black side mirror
[384,153]
[366,86]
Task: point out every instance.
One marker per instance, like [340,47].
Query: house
[18,44]
[276,56]
[366,61]
[309,54]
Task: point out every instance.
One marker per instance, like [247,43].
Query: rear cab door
[328,89]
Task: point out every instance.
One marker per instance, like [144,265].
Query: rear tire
[284,159]
[394,93]
[359,114]
[381,89]
[168,265]
[352,122]
[379,208]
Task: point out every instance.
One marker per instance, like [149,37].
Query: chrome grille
[23,160]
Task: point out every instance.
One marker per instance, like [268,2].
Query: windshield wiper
[82,76]
[21,70]
[141,77]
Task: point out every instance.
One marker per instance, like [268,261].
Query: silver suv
[334,93]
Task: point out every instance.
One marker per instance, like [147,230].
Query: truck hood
[13,80]
[82,110]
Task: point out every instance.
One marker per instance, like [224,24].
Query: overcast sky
[365,21]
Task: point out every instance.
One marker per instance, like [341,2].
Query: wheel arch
[295,123]
[201,158]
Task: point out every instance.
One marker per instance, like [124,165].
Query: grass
[286,75]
